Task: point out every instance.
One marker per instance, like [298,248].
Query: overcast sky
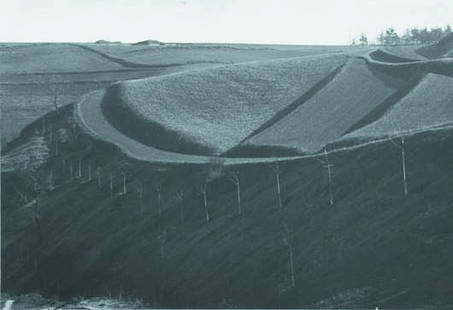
[235,21]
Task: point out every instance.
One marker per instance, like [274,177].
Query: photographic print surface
[226,154]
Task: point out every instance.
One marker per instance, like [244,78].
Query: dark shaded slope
[148,133]
[373,247]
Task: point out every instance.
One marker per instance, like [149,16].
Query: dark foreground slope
[373,247]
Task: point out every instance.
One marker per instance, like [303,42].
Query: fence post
[329,172]
[403,158]
[276,169]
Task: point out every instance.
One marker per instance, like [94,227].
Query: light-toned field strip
[91,119]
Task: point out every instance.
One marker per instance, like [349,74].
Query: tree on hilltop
[363,39]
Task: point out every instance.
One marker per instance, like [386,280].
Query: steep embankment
[325,117]
[373,247]
[210,111]
[430,104]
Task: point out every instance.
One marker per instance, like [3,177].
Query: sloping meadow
[211,111]
[171,54]
[31,58]
[428,105]
[352,95]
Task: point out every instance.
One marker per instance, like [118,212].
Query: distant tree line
[409,37]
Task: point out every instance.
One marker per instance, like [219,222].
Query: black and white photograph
[226,154]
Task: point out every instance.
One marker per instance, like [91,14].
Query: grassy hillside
[354,93]
[373,247]
[92,207]
[51,58]
[32,74]
[23,103]
[443,48]
[210,111]
[28,68]
[408,52]
[397,54]
[211,53]
[26,97]
[427,105]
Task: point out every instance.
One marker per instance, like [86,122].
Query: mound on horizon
[149,42]
[429,104]
[211,111]
[354,94]
[107,42]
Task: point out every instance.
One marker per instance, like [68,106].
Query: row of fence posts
[234,177]
[327,164]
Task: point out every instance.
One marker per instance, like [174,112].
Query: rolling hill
[32,74]
[429,104]
[180,53]
[273,108]
[348,98]
[374,246]
[47,58]
[210,111]
[156,187]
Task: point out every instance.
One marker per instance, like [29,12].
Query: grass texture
[400,53]
[213,110]
[352,94]
[51,58]
[172,54]
[441,49]
[427,105]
